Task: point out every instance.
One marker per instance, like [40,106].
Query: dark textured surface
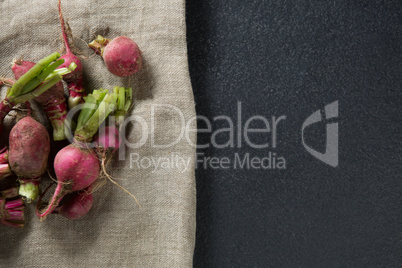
[287,58]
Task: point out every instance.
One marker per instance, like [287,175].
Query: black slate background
[292,58]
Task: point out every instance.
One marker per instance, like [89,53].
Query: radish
[122,55]
[27,155]
[73,79]
[29,148]
[77,165]
[33,83]
[52,101]
[78,204]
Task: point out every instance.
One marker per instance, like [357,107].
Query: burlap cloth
[116,232]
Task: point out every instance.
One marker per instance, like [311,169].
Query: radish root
[104,161]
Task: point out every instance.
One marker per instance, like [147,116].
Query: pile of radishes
[77,166]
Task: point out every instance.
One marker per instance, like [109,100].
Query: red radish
[76,168]
[28,152]
[77,165]
[77,205]
[52,101]
[73,79]
[122,56]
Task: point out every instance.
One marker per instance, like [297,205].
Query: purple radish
[29,148]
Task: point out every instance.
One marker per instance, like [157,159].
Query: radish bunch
[77,166]
[29,142]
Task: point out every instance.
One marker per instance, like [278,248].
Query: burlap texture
[116,232]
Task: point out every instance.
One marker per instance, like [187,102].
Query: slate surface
[291,58]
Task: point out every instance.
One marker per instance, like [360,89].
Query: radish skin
[29,148]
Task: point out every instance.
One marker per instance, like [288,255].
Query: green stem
[38,91]
[88,130]
[98,45]
[64,71]
[129,97]
[31,74]
[123,103]
[41,77]
[29,188]
[121,100]
[92,102]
